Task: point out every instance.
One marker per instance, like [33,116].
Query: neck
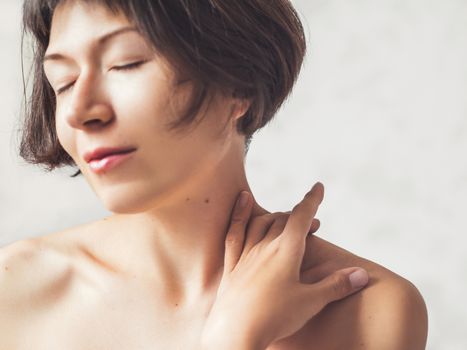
[179,243]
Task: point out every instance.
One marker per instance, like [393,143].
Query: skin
[263,277]
[175,194]
[146,277]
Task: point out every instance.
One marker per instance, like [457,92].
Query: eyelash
[126,67]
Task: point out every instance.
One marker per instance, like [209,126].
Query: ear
[239,108]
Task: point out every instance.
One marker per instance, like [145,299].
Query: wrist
[230,340]
[229,344]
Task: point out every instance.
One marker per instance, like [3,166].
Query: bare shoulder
[29,267]
[16,259]
[388,314]
[27,273]
[393,316]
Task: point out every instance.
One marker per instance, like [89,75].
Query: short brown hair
[254,48]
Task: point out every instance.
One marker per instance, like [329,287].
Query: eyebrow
[100,41]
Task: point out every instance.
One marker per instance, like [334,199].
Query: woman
[156,102]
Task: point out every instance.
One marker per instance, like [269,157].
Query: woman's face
[115,91]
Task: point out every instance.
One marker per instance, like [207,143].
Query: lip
[109,162]
[102,152]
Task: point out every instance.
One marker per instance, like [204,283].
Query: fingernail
[358,278]
[243,200]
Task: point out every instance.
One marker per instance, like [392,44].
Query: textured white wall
[379,115]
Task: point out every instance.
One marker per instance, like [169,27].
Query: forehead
[79,20]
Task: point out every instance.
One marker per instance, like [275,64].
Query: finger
[315,225]
[235,237]
[301,218]
[279,224]
[314,274]
[334,287]
[257,229]
[276,228]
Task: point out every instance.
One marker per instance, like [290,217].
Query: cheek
[141,102]
[149,93]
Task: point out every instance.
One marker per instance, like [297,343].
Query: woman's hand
[260,298]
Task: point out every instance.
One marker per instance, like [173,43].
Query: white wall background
[379,115]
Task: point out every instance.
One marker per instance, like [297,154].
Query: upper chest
[66,302]
[110,317]
[117,316]
[96,311]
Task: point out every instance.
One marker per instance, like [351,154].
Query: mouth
[109,162]
[103,152]
[103,159]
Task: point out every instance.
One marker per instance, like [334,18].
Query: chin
[127,201]
[122,202]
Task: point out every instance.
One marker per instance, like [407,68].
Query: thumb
[336,286]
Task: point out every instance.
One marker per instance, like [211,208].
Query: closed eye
[129,66]
[126,67]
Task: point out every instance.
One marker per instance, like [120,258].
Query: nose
[88,107]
